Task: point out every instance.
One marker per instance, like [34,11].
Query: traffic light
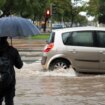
[47,16]
[48,13]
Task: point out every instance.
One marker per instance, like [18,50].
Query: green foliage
[2,2]
[97,8]
[93,7]
[101,16]
[62,10]
[68,12]
[35,9]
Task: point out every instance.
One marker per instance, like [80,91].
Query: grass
[40,36]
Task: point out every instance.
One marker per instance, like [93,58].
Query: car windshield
[51,38]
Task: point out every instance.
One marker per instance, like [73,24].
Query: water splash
[36,69]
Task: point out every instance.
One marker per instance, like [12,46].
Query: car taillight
[49,47]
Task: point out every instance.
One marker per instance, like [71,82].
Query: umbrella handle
[11,40]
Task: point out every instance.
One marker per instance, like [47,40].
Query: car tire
[59,64]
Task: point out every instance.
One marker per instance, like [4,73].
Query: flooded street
[36,87]
[64,87]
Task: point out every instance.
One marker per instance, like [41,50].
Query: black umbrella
[17,26]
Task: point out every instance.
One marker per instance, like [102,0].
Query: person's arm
[18,63]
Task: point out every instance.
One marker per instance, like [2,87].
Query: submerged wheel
[59,64]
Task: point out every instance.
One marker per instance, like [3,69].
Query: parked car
[57,26]
[81,47]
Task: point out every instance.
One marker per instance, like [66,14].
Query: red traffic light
[48,13]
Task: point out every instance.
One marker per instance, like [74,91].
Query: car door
[101,39]
[82,51]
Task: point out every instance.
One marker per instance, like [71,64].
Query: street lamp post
[51,15]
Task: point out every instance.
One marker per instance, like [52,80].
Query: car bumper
[43,62]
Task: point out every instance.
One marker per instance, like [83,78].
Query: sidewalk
[28,44]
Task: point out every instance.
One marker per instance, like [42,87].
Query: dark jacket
[15,60]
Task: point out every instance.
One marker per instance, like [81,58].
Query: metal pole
[51,15]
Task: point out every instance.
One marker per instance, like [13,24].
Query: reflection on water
[37,87]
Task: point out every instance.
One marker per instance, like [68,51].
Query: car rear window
[51,38]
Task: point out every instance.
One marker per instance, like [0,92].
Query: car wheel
[59,64]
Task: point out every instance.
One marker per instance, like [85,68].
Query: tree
[2,2]
[66,11]
[6,7]
[93,9]
[101,17]
[35,9]
[26,8]
[96,8]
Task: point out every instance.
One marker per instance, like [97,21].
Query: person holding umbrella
[8,92]
[11,27]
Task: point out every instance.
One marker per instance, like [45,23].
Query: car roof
[91,28]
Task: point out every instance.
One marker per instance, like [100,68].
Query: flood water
[64,87]
[38,87]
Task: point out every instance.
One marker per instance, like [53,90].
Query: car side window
[101,38]
[82,38]
[79,38]
[67,38]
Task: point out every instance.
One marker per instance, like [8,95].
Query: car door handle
[73,51]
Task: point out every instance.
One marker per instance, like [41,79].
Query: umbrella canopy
[17,26]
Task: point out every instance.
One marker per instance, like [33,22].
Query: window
[101,38]
[79,38]
[82,38]
[67,38]
[51,38]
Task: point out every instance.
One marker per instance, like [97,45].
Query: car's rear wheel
[59,64]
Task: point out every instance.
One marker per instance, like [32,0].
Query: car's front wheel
[59,64]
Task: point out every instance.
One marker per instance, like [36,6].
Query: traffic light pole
[47,16]
[51,15]
[53,12]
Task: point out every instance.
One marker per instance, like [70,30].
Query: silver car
[81,47]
